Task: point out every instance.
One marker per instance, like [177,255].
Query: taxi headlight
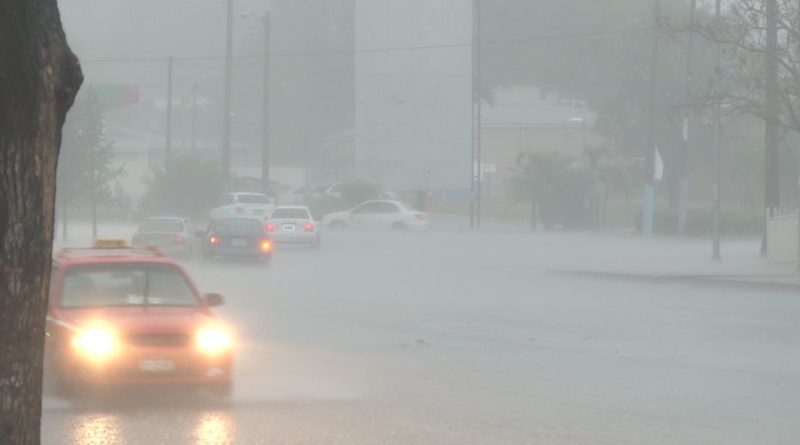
[96,342]
[213,340]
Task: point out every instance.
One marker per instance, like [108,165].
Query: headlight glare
[213,340]
[96,342]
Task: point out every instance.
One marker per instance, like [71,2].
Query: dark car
[238,238]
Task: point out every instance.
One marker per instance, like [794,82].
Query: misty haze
[410,222]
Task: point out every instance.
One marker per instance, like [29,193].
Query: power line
[595,34]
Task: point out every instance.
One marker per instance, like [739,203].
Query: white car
[378,214]
[244,204]
[293,224]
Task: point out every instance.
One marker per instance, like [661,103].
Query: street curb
[773,283]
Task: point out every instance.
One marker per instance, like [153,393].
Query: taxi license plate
[157,365]
[288,227]
[238,242]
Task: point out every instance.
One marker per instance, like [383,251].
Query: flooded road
[462,338]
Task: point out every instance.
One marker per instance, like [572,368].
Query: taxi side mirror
[213,300]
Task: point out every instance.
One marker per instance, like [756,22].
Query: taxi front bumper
[183,366]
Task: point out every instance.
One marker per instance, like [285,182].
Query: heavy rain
[400,222]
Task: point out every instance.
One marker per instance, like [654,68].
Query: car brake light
[179,240]
[270,227]
[421,216]
[213,240]
[266,246]
[309,227]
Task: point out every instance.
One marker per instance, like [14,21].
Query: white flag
[659,173]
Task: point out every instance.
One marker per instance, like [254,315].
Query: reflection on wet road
[98,429]
[458,338]
[214,428]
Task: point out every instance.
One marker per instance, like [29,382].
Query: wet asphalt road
[457,338]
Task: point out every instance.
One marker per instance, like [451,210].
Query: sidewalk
[689,261]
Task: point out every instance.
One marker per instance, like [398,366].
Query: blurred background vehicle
[295,196]
[174,236]
[293,224]
[244,204]
[238,237]
[378,214]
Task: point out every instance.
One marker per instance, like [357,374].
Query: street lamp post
[226,114]
[265,148]
[477,162]
[715,254]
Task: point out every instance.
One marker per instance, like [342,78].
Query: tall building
[312,80]
[413,112]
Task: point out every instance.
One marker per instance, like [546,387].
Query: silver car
[174,236]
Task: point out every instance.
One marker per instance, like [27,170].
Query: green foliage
[558,190]
[86,170]
[188,187]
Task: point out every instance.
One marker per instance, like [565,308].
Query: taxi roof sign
[110,244]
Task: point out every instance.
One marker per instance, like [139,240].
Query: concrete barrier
[782,232]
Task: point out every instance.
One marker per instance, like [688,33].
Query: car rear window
[290,214]
[237,227]
[162,225]
[253,199]
[125,284]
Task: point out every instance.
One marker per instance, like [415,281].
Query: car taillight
[213,240]
[266,246]
[309,227]
[270,227]
[421,216]
[179,240]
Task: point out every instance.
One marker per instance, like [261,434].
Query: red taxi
[123,316]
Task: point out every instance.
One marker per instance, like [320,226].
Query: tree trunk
[39,77]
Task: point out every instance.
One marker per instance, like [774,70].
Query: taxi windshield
[125,284]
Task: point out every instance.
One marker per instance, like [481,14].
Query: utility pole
[683,163]
[168,145]
[265,110]
[717,136]
[475,203]
[772,198]
[194,118]
[226,118]
[648,206]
